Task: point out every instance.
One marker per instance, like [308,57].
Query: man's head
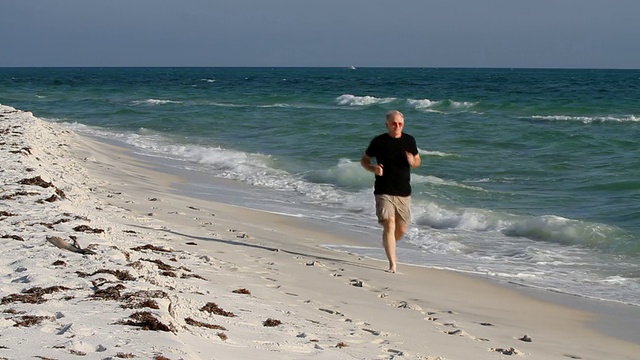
[395,123]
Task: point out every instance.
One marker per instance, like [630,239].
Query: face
[395,125]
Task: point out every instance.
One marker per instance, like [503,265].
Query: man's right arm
[369,166]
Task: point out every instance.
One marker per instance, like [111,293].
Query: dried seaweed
[124,356]
[36,181]
[161,265]
[146,321]
[85,228]
[32,296]
[143,298]
[214,309]
[6,213]
[150,247]
[14,237]
[121,275]
[50,199]
[19,193]
[271,322]
[153,294]
[222,336]
[242,291]
[13,312]
[31,320]
[193,322]
[188,276]
[110,293]
[25,150]
[147,303]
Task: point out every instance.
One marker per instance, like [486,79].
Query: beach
[103,258]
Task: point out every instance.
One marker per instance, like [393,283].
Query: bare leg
[401,229]
[389,242]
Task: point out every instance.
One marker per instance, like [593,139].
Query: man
[396,153]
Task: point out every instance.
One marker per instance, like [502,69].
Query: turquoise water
[528,176]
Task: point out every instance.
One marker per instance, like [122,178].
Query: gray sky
[385,33]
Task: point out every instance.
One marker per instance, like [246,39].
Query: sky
[319,33]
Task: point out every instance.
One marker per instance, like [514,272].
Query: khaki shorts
[389,206]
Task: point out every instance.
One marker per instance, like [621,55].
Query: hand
[378,170]
[410,158]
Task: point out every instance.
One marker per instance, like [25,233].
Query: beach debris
[193,322]
[146,321]
[355,282]
[242,291]
[7,214]
[153,199]
[142,299]
[271,322]
[121,355]
[14,237]
[341,345]
[191,243]
[455,332]
[24,151]
[222,336]
[572,356]
[189,276]
[122,275]
[161,264]
[526,338]
[32,295]
[64,244]
[147,303]
[487,324]
[507,351]
[85,228]
[18,193]
[59,263]
[373,332]
[212,308]
[110,293]
[151,247]
[50,199]
[31,320]
[36,181]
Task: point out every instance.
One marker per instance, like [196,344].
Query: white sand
[58,304]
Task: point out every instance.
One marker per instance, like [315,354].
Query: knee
[389,224]
[401,228]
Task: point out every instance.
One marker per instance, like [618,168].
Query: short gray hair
[392,113]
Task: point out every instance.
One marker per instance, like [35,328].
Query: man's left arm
[413,155]
[413,160]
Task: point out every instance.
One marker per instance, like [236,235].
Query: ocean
[528,176]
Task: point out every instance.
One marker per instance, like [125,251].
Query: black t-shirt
[390,153]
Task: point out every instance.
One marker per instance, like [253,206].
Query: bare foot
[392,269]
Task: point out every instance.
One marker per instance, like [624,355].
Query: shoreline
[323,297]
